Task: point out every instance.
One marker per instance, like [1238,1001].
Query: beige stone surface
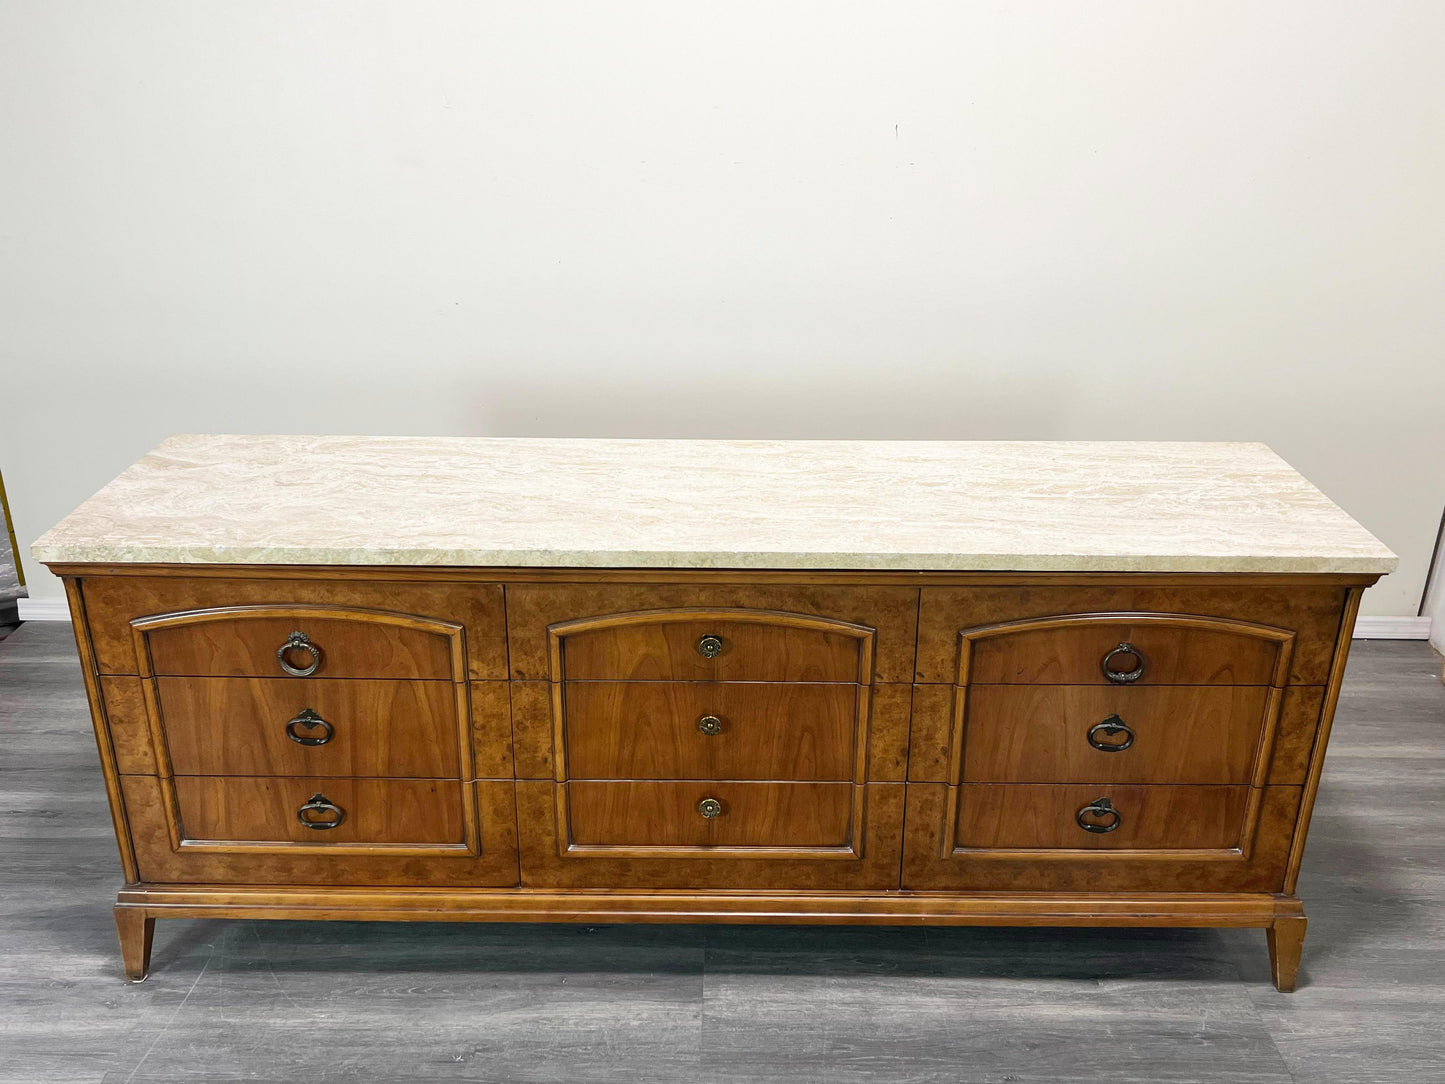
[985,505]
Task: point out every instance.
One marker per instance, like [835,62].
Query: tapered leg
[136,929]
[1286,941]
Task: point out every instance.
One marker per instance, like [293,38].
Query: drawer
[710,730]
[297,642]
[718,645]
[169,852]
[1125,649]
[768,632]
[697,814]
[357,811]
[112,603]
[1088,734]
[1177,655]
[1099,817]
[312,727]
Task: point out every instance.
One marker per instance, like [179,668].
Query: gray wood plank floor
[234,1001]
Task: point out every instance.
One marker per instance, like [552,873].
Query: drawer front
[720,645]
[112,603]
[264,641]
[975,838]
[361,811]
[705,815]
[793,632]
[1099,817]
[1087,734]
[168,852]
[1136,650]
[311,727]
[710,730]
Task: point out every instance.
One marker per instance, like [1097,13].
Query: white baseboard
[1392,628]
[43,609]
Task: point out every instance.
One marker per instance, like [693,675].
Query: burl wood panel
[130,733]
[665,814]
[160,863]
[246,647]
[1028,815]
[238,726]
[533,729]
[934,719]
[1312,613]
[1181,734]
[926,865]
[879,837]
[246,808]
[649,730]
[112,602]
[1073,656]
[892,611]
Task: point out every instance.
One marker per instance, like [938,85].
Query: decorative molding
[43,609]
[1392,628]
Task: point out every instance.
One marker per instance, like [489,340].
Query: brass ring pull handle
[710,808]
[1099,807]
[299,641]
[710,724]
[306,719]
[1124,677]
[333,814]
[1111,727]
[710,646]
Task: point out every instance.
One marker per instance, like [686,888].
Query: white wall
[1202,221]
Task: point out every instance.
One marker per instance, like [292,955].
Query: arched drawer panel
[334,642]
[1125,649]
[702,644]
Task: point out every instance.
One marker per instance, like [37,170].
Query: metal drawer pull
[710,724]
[1124,677]
[1111,727]
[299,641]
[320,804]
[710,808]
[306,719]
[1099,807]
[710,646]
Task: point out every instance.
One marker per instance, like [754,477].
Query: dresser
[957,683]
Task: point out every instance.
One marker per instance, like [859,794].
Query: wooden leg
[137,930]
[1286,941]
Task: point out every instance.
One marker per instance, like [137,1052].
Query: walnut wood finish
[650,730]
[113,602]
[162,859]
[750,645]
[645,817]
[1168,649]
[871,863]
[1041,733]
[1286,938]
[248,811]
[1023,816]
[893,612]
[930,862]
[239,726]
[1311,613]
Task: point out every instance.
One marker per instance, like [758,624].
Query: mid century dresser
[721,681]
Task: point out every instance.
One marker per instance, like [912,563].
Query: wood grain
[533,608]
[645,815]
[238,726]
[1311,612]
[649,730]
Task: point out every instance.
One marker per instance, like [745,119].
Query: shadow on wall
[751,404]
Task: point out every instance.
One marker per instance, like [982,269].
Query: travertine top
[1065,506]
